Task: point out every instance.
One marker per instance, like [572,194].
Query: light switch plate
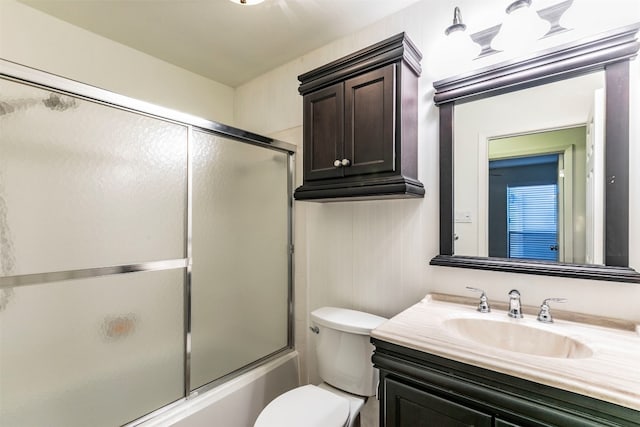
[463,216]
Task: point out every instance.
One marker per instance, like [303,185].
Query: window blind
[532,222]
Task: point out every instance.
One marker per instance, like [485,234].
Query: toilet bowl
[343,352]
[312,406]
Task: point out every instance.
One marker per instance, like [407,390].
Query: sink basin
[518,337]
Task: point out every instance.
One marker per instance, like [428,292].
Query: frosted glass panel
[240,255]
[85,185]
[94,352]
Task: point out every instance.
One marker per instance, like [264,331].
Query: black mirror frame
[610,52]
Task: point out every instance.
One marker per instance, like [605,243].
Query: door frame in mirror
[610,52]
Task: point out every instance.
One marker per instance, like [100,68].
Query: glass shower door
[88,192]
[240,273]
[141,257]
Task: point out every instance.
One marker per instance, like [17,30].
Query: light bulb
[460,45]
[521,28]
[581,14]
[459,49]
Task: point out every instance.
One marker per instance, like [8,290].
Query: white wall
[374,255]
[32,38]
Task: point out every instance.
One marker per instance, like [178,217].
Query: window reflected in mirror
[529,173]
[523,207]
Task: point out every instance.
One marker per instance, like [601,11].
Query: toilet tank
[343,349]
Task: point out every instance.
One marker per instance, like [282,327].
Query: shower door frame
[37,78]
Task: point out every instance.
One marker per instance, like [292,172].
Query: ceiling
[218,39]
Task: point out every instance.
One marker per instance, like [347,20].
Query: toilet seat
[308,406]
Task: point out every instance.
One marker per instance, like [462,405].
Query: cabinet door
[370,122]
[323,132]
[406,406]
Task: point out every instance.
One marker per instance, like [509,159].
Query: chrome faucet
[483,305]
[545,311]
[515,309]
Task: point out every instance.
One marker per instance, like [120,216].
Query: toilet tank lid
[346,320]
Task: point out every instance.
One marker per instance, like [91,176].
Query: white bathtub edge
[196,404]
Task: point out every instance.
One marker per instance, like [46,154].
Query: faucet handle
[545,313]
[483,306]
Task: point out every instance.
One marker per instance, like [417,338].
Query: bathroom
[366,255]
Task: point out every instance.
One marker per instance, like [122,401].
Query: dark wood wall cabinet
[423,390]
[361,125]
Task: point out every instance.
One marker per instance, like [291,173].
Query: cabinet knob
[337,163]
[345,162]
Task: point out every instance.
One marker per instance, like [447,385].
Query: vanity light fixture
[579,12]
[460,44]
[457,24]
[556,15]
[522,27]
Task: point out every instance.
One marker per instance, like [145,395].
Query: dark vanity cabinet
[423,390]
[410,406]
[360,124]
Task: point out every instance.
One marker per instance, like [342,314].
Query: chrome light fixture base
[457,22]
[517,5]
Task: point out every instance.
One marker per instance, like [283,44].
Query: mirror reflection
[529,173]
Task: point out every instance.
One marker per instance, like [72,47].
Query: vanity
[448,360]
[443,363]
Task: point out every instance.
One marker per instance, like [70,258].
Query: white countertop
[611,373]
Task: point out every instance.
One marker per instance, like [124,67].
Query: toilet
[343,353]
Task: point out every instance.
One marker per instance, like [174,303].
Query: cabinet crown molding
[394,49]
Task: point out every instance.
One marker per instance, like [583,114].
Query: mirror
[528,174]
[536,178]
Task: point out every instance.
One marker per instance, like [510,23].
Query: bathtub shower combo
[145,254]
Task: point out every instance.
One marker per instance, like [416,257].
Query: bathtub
[237,402]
